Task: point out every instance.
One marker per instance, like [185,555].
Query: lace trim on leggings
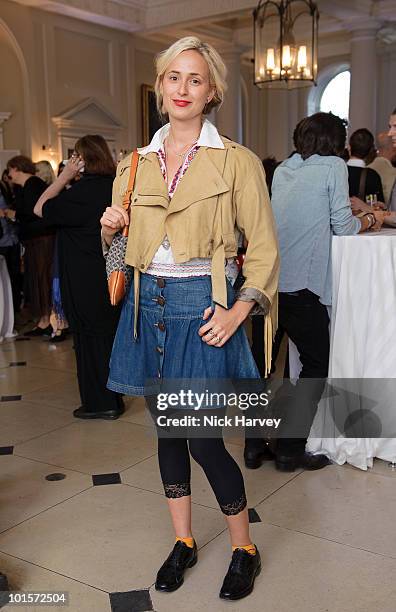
[177,490]
[235,507]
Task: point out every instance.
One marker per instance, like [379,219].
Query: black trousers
[12,256]
[93,357]
[306,322]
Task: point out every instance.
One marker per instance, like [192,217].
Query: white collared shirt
[209,137]
[356,163]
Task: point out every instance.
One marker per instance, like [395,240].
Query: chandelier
[285,43]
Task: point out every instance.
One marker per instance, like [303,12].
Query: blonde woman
[194,192]
[45,172]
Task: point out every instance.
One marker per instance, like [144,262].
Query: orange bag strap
[126,200]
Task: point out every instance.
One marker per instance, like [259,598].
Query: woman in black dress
[37,238]
[76,213]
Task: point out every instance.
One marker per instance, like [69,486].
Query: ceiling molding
[127,15]
[221,21]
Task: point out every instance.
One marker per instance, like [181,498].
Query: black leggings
[221,470]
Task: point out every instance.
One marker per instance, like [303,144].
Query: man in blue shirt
[310,202]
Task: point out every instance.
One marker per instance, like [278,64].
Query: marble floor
[82,510]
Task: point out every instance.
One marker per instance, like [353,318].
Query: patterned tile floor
[82,510]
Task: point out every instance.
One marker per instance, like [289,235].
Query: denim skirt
[168,346]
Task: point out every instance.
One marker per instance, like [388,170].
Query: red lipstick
[181,102]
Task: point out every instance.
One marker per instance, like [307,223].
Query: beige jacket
[387,173]
[223,191]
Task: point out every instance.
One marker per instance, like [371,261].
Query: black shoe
[81,413]
[255,457]
[39,331]
[60,338]
[171,574]
[239,580]
[306,460]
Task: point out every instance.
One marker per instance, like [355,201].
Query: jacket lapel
[152,185]
[202,180]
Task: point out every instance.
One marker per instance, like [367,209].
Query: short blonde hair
[217,69]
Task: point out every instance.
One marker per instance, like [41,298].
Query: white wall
[67,61]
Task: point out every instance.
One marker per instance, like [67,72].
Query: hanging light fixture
[285,43]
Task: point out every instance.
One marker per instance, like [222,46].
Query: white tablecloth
[362,340]
[6,306]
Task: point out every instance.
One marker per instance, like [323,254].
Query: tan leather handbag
[119,274]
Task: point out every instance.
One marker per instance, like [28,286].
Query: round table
[362,347]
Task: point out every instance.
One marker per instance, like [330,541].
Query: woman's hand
[72,168]
[113,220]
[224,323]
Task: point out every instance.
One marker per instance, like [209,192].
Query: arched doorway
[14,94]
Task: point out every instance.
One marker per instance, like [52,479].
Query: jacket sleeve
[255,220]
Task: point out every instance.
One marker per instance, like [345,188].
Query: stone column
[229,117]
[363,97]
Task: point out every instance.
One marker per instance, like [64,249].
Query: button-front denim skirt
[168,345]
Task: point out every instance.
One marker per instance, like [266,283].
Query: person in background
[392,134]
[270,164]
[359,205]
[382,164]
[58,319]
[61,167]
[363,181]
[38,239]
[7,190]
[45,172]
[310,202]
[11,250]
[75,212]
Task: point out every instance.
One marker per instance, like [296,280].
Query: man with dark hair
[363,181]
[320,134]
[311,204]
[22,164]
